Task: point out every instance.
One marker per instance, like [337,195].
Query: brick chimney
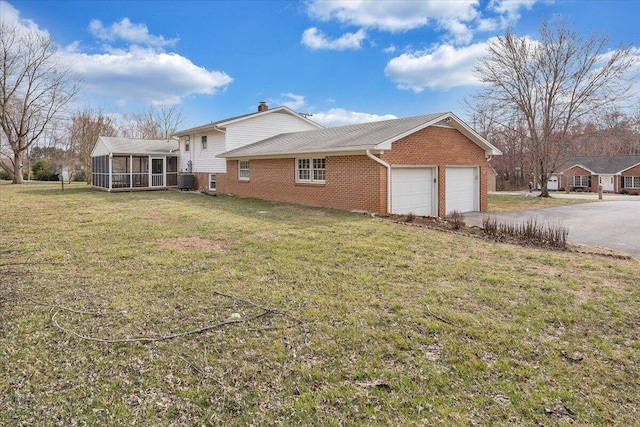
[262,106]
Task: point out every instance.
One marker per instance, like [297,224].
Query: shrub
[457,220]
[530,231]
[43,170]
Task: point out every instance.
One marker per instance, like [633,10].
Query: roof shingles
[604,165]
[362,136]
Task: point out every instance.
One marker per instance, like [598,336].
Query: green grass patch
[169,308]
[525,201]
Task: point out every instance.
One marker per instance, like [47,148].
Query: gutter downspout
[388,166]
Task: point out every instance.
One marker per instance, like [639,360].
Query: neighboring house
[426,165]
[200,145]
[126,164]
[615,173]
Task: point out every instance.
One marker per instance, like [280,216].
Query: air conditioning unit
[186,181]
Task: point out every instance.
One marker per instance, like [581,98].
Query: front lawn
[168,308]
[523,201]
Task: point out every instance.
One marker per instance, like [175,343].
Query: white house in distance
[200,145]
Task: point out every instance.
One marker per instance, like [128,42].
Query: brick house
[200,145]
[616,174]
[428,165]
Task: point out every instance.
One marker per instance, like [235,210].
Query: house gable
[100,149]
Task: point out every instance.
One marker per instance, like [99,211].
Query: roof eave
[359,150]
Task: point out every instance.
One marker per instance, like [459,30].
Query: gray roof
[600,165]
[118,145]
[361,137]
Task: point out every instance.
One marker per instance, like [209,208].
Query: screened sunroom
[127,164]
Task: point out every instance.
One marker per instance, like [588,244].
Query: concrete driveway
[613,224]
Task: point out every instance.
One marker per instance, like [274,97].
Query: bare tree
[549,85]
[84,129]
[169,118]
[35,87]
[155,123]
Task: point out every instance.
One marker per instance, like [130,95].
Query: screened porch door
[157,172]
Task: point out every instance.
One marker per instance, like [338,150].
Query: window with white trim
[632,182]
[204,142]
[311,170]
[581,181]
[186,146]
[243,170]
[212,181]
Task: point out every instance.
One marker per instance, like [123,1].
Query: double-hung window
[243,170]
[212,182]
[581,181]
[632,182]
[311,170]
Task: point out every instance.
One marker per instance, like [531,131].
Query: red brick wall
[353,182]
[202,181]
[578,171]
[441,147]
[634,171]
[357,182]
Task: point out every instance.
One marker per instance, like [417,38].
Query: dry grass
[524,201]
[285,315]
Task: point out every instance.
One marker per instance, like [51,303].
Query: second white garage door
[412,191]
[462,191]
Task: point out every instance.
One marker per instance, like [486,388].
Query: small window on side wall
[204,142]
[243,170]
[186,146]
[212,182]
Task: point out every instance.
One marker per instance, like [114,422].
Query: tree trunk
[17,168]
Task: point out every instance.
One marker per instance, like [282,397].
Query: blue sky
[343,61]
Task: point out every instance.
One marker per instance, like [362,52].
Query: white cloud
[145,76]
[441,68]
[458,19]
[316,39]
[291,100]
[340,117]
[129,32]
[10,16]
[390,49]
[509,10]
[400,15]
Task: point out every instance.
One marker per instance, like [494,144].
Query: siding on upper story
[238,134]
[255,129]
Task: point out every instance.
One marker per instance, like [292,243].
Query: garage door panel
[412,191]
[462,190]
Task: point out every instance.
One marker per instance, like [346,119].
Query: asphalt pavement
[613,223]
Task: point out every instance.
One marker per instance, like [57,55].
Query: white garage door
[462,191]
[412,191]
